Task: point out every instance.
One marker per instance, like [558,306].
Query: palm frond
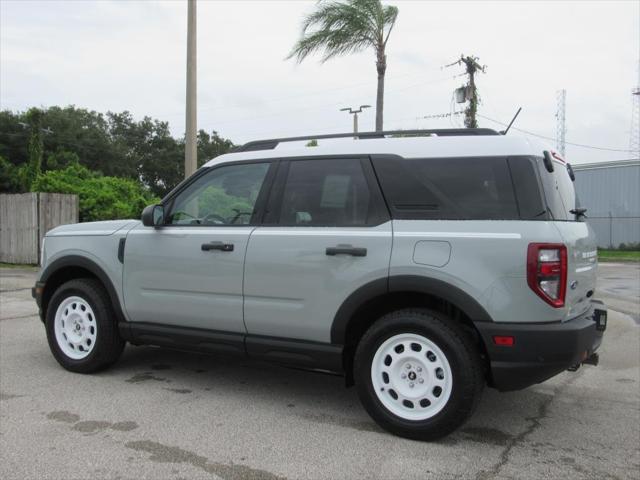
[340,27]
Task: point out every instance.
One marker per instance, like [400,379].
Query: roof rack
[270,144]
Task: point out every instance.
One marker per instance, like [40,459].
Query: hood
[91,228]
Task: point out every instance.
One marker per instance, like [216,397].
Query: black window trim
[258,209]
[379,214]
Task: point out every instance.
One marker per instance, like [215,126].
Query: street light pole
[191,140]
[355,113]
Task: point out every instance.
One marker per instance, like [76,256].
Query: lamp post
[355,113]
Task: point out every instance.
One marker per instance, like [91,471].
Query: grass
[17,265]
[605,255]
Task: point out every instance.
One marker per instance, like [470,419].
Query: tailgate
[582,265]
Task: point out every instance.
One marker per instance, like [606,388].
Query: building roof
[614,164]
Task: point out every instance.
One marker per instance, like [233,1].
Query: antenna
[504,132]
[561,124]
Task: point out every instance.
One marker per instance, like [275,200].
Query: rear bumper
[541,351]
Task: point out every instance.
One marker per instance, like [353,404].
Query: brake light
[547,272]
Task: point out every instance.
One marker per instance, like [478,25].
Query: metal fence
[26,217]
[611,193]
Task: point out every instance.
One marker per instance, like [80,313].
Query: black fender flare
[89,265]
[409,284]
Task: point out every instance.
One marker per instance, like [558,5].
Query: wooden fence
[26,217]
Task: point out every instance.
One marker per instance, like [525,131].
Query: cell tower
[634,134]
[561,120]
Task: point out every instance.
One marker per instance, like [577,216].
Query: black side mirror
[153,216]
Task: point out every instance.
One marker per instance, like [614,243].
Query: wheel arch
[71,267]
[381,296]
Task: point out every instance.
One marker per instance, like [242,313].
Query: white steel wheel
[411,376]
[75,327]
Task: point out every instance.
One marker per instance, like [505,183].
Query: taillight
[547,272]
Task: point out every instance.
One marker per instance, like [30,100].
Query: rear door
[577,234]
[327,233]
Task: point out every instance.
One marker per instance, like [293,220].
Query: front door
[326,234]
[188,272]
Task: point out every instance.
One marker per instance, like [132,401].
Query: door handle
[346,250]
[225,247]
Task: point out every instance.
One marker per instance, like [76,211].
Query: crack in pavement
[18,317]
[535,423]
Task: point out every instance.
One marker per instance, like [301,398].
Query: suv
[422,267]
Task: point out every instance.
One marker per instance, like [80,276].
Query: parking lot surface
[164,414]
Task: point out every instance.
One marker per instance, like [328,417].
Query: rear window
[448,188]
[559,191]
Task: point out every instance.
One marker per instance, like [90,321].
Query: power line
[582,145]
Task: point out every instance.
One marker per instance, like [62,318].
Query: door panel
[169,279]
[294,289]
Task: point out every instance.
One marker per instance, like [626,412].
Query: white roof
[407,147]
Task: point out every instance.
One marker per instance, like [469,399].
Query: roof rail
[270,144]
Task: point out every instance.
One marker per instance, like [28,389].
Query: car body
[294,255]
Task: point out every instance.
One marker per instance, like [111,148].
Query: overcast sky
[130,55]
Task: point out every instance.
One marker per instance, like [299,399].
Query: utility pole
[191,139]
[355,113]
[561,124]
[634,135]
[470,92]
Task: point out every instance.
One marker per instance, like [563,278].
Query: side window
[448,188]
[325,193]
[224,196]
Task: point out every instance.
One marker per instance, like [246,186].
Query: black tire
[108,345]
[459,350]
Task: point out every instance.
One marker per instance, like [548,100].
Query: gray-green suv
[422,267]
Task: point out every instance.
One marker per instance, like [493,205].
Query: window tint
[325,193]
[527,188]
[447,188]
[559,191]
[223,196]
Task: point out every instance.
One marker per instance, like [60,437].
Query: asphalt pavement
[162,414]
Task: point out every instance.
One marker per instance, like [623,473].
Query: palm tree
[341,27]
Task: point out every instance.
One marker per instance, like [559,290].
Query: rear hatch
[578,236]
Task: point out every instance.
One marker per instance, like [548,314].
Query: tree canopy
[113,144]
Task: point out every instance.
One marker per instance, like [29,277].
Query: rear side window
[559,191]
[448,188]
[325,193]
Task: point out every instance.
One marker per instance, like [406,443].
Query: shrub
[101,198]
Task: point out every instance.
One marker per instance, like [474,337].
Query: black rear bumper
[541,351]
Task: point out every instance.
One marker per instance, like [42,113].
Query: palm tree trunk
[381,66]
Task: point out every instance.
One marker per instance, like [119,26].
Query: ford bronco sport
[422,268]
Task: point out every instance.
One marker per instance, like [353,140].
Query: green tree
[101,197]
[342,27]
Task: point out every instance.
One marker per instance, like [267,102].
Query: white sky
[130,55]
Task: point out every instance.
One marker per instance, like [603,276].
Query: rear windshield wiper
[579,212]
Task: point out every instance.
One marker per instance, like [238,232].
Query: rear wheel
[418,374]
[81,327]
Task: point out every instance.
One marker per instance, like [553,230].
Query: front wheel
[418,374]
[81,327]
